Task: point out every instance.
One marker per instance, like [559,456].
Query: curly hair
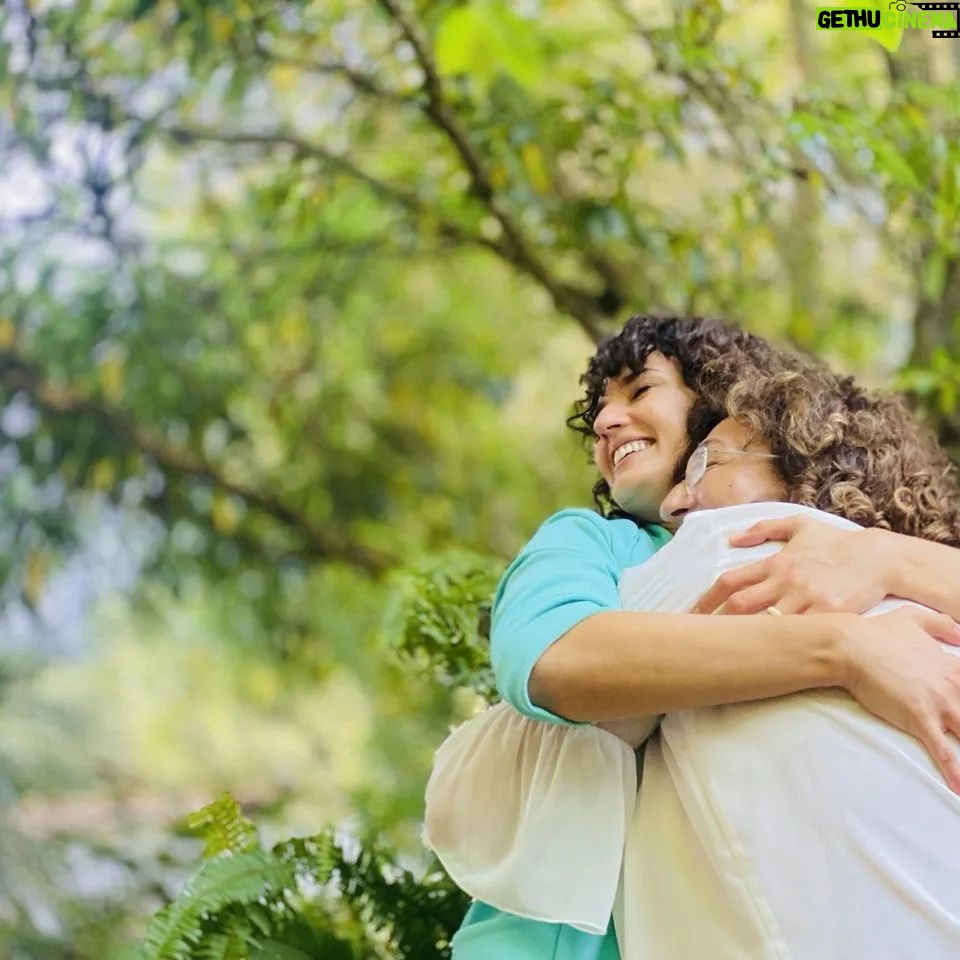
[696,344]
[842,448]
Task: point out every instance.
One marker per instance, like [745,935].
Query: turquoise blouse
[568,571]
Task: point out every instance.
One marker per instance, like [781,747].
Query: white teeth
[634,446]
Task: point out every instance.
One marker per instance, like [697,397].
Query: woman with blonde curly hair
[790,815]
[771,828]
[842,449]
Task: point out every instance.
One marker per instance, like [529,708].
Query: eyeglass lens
[696,467]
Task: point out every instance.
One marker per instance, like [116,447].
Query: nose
[611,417]
[675,504]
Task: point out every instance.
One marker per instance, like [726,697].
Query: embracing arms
[928,573]
[562,649]
[621,664]
[823,569]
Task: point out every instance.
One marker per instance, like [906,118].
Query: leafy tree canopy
[295,294]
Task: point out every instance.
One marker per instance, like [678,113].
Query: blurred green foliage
[305,898]
[441,619]
[294,295]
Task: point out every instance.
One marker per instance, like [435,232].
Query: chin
[638,505]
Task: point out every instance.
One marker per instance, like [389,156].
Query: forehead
[656,365]
[731,434]
[656,362]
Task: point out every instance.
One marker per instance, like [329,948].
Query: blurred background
[294,297]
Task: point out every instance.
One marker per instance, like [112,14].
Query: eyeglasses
[699,461]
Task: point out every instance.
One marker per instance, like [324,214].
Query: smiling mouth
[634,446]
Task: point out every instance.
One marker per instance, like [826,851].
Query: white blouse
[797,827]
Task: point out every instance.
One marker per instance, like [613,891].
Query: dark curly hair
[842,448]
[695,343]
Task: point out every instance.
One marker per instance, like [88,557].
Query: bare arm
[928,573]
[624,664]
[560,645]
[632,730]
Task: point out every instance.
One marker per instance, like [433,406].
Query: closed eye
[639,392]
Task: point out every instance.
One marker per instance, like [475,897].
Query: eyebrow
[624,381]
[735,448]
[743,447]
[714,443]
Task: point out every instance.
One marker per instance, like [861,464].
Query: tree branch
[304,148]
[577,303]
[581,306]
[363,82]
[18,374]
[585,307]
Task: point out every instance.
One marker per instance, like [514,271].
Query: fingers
[758,598]
[951,722]
[829,603]
[943,751]
[940,627]
[784,528]
[730,583]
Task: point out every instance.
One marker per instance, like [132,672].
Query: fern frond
[306,898]
[275,950]
[233,945]
[420,917]
[230,879]
[315,856]
[223,827]
[301,941]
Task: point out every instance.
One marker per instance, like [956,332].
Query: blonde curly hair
[842,448]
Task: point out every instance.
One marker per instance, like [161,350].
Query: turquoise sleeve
[568,571]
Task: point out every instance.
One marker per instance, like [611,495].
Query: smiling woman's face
[739,469]
[641,433]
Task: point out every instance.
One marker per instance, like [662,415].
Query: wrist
[887,548]
[841,654]
[823,642]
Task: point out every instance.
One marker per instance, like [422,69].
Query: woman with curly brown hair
[564,650]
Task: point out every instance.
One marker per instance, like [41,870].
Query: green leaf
[891,162]
[438,618]
[485,40]
[889,38]
[299,940]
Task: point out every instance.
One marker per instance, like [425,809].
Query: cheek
[723,492]
[669,413]
[758,484]
[598,462]
[724,488]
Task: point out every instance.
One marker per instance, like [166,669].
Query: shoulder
[584,531]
